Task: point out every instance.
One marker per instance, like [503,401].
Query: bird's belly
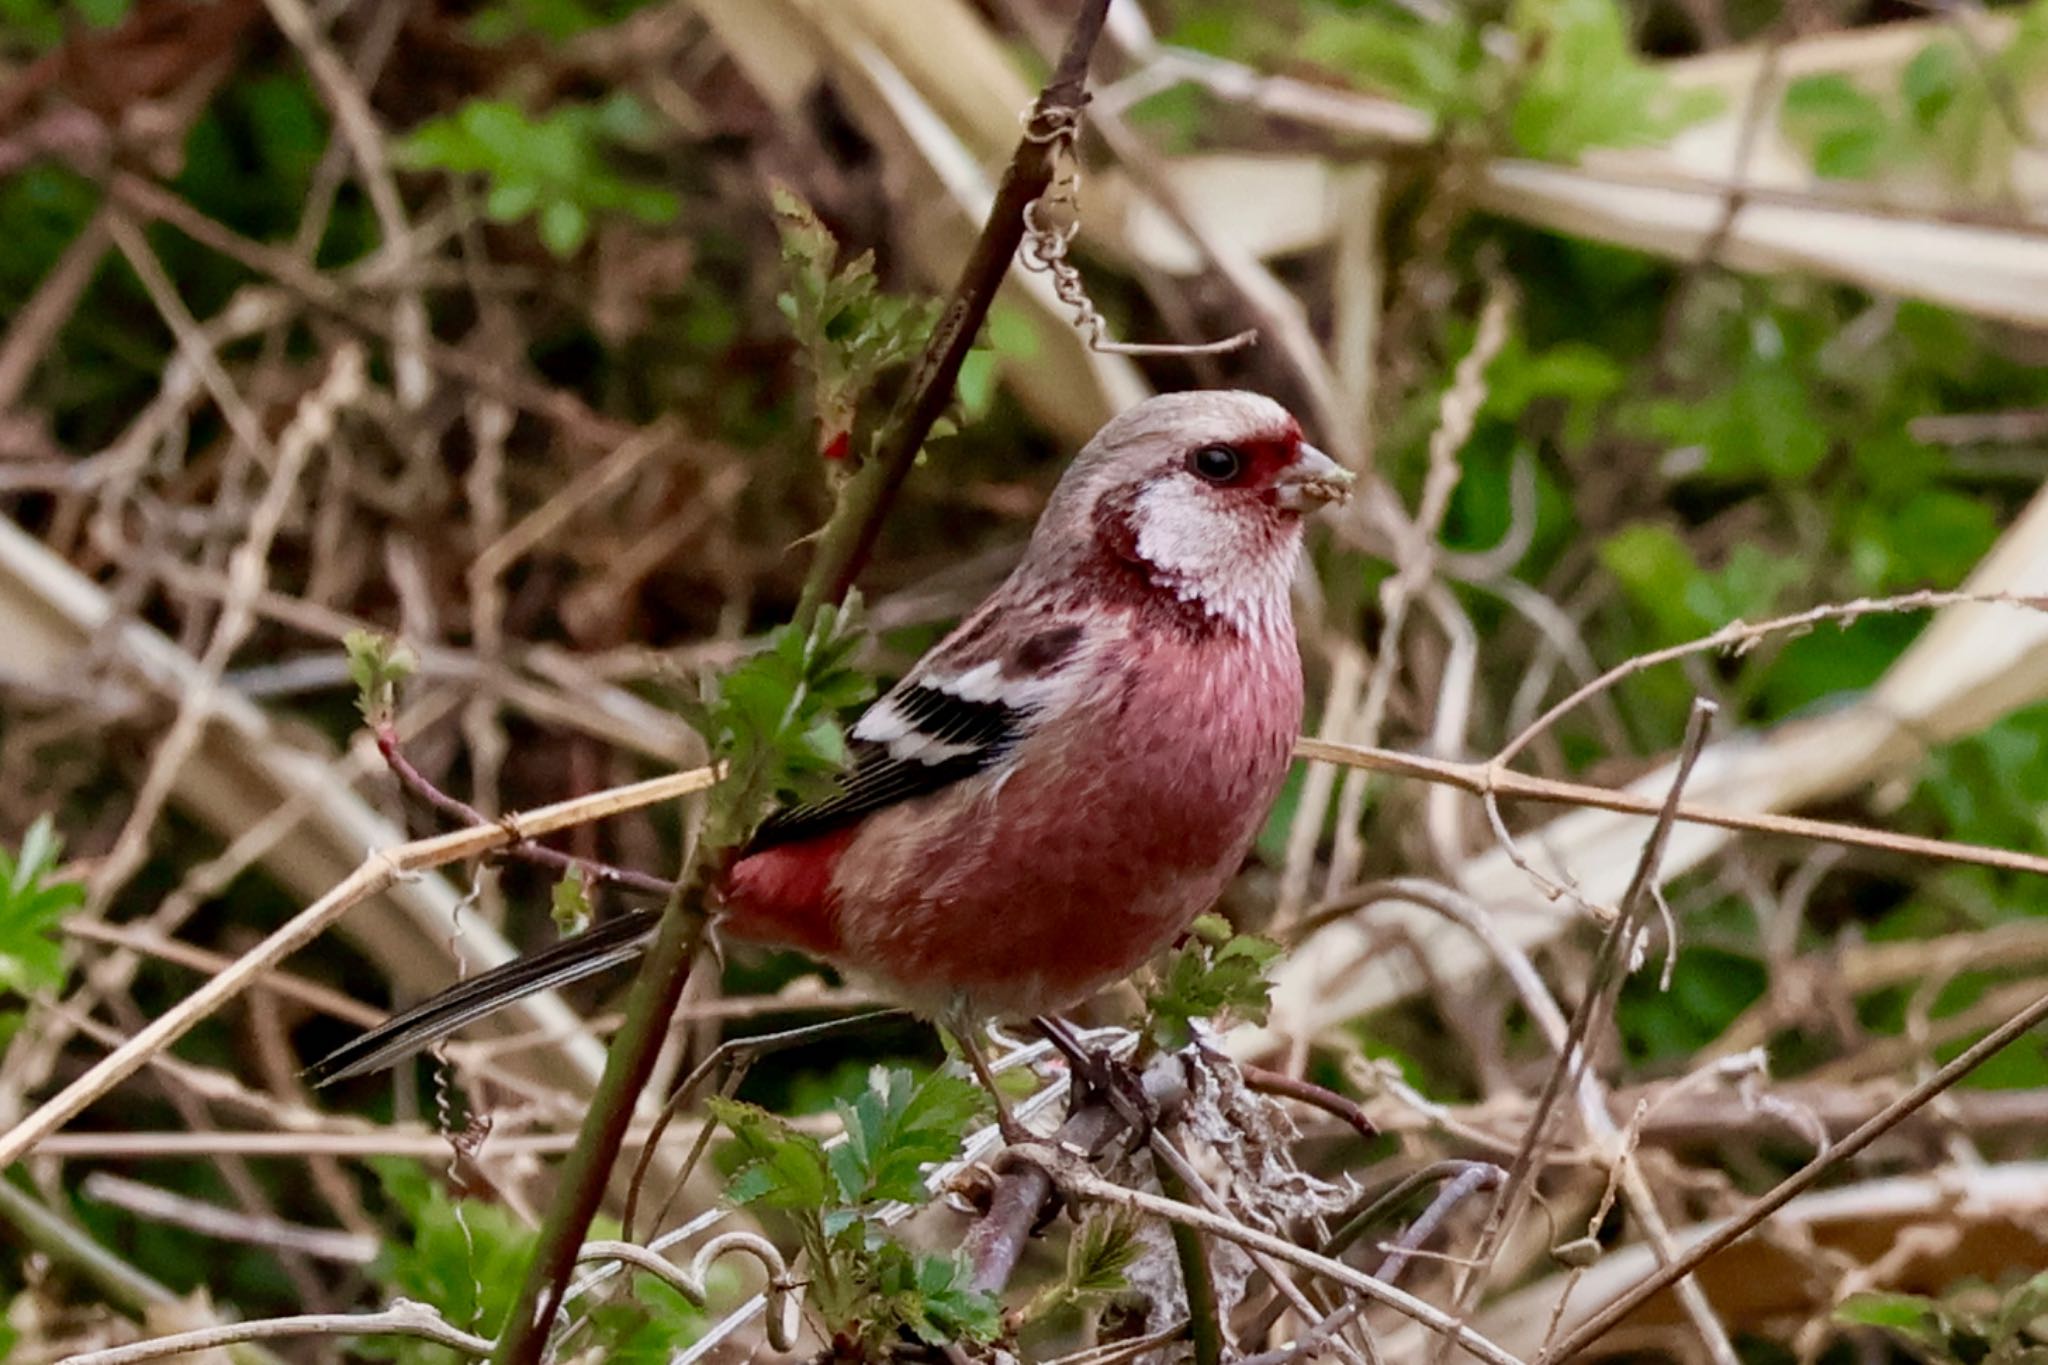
[1086,858]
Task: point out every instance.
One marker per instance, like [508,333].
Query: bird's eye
[1217,464]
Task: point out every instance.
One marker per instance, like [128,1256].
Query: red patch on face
[838,446]
[1269,453]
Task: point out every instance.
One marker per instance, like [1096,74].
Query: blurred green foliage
[1973,1324]
[1948,112]
[552,168]
[465,1256]
[33,900]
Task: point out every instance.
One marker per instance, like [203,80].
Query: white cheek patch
[1209,555]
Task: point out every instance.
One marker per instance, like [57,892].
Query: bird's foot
[1096,1073]
[1007,1123]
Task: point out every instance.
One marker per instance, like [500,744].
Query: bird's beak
[1313,480]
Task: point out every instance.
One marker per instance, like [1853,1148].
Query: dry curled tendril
[1052,221]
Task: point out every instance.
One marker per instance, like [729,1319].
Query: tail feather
[616,941]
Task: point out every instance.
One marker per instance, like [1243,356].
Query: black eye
[1217,464]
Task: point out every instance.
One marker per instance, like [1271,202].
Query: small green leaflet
[377,664]
[570,902]
[1212,973]
[30,906]
[773,720]
[850,330]
[782,1169]
[898,1126]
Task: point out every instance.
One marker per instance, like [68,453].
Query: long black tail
[617,940]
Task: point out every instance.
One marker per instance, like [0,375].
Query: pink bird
[1063,783]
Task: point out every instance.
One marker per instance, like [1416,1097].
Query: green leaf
[896,1128]
[1203,978]
[773,720]
[1845,128]
[930,1296]
[652,1324]
[1585,87]
[31,905]
[782,1168]
[466,1257]
[1101,1251]
[1931,83]
[554,168]
[1655,567]
[377,664]
[563,226]
[569,905]
[849,330]
[1904,1311]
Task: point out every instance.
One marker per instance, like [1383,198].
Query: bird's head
[1202,495]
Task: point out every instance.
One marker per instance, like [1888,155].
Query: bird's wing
[962,710]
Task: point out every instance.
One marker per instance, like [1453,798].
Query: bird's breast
[1109,829]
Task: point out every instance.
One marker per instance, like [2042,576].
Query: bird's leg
[1095,1070]
[1007,1123]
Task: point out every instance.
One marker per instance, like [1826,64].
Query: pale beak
[1313,480]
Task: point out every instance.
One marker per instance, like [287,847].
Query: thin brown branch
[866,499]
[1482,779]
[376,873]
[1609,967]
[1597,1326]
[601,874]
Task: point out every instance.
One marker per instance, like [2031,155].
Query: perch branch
[849,538]
[843,547]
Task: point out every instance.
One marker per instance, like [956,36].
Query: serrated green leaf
[1102,1250]
[896,1128]
[31,905]
[1204,978]
[782,1169]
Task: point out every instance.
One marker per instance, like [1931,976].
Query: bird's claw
[1096,1072]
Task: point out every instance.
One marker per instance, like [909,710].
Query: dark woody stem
[849,538]
[843,548]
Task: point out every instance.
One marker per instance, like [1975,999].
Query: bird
[1061,785]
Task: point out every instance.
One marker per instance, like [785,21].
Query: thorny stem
[657,990]
[420,785]
[849,537]
[1801,1180]
[843,548]
[1609,966]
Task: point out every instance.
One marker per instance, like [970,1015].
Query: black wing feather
[617,940]
[877,778]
